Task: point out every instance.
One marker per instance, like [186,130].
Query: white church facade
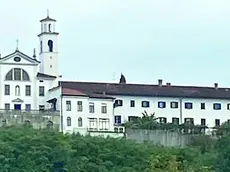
[32,84]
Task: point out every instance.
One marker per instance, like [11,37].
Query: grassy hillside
[27,150]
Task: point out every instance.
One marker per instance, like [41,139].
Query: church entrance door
[17,106]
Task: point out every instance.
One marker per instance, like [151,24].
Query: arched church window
[25,76]
[9,75]
[17,74]
[68,121]
[50,44]
[17,90]
[79,122]
[50,27]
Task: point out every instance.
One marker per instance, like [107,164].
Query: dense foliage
[151,122]
[23,149]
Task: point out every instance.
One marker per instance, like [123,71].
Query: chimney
[160,82]
[216,85]
[168,83]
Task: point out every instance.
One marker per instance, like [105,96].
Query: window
[68,105]
[117,120]
[175,121]
[132,103]
[188,105]
[28,90]
[7,106]
[93,123]
[17,74]
[174,105]
[216,106]
[68,121]
[163,120]
[7,89]
[161,104]
[49,27]
[17,90]
[49,124]
[103,124]
[217,122]
[25,76]
[3,122]
[202,106]
[145,104]
[79,106]
[189,120]
[79,122]
[41,107]
[103,108]
[28,107]
[203,122]
[50,45]
[118,103]
[9,75]
[41,91]
[91,107]
[132,118]
[228,106]
[40,46]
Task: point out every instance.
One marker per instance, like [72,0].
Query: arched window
[17,74]
[50,27]
[17,90]
[79,122]
[27,123]
[50,44]
[68,121]
[3,122]
[49,124]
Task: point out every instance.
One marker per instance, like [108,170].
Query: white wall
[209,113]
[74,114]
[48,84]
[32,72]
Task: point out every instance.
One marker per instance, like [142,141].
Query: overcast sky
[180,41]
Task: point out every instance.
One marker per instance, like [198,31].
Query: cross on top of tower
[48,13]
[17,41]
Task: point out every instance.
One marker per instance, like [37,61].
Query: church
[26,80]
[33,84]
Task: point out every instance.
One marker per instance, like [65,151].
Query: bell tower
[48,53]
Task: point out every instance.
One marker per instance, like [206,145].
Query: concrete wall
[165,138]
[37,120]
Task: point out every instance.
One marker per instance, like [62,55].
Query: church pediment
[18,58]
[18,100]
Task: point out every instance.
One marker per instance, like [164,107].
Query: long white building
[29,83]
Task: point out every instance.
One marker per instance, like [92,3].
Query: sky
[181,42]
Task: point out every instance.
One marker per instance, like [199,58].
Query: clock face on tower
[17,59]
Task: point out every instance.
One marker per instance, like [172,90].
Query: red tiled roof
[72,92]
[97,88]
